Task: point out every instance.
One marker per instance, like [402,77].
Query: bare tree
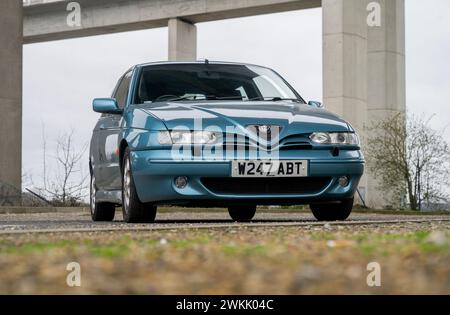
[67,185]
[409,158]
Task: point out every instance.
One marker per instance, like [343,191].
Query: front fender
[134,117]
[140,139]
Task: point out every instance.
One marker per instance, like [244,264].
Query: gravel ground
[167,219]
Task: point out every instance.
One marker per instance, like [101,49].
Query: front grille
[286,185]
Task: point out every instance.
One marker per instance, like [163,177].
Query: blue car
[216,134]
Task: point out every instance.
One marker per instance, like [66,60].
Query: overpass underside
[363,66]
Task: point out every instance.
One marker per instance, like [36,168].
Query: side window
[121,93]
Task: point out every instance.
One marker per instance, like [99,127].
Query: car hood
[293,118]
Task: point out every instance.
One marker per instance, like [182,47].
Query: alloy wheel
[93,194]
[126,185]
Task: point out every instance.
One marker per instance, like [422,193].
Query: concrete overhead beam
[48,21]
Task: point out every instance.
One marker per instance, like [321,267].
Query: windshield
[176,82]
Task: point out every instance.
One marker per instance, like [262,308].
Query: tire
[242,213]
[134,211]
[332,212]
[100,211]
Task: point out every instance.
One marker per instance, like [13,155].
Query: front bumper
[154,174]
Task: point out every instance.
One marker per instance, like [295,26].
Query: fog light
[181,182]
[343,181]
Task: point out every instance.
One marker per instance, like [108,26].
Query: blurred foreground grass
[414,259]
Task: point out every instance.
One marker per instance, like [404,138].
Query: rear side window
[121,92]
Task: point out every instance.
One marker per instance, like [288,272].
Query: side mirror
[315,104]
[106,106]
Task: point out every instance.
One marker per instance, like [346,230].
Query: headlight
[187,137]
[344,138]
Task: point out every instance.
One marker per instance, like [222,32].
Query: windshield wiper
[235,97]
[170,98]
[274,99]
[196,98]
[182,98]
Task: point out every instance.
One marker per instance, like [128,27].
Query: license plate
[269,168]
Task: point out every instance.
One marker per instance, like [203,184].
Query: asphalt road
[81,221]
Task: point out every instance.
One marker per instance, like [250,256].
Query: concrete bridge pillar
[10,93]
[364,69]
[182,40]
[386,76]
[345,62]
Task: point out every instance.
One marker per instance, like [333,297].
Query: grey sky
[61,78]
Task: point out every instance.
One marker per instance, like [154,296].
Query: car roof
[206,61]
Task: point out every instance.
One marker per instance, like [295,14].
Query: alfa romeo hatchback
[218,134]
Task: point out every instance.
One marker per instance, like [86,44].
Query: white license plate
[269,168]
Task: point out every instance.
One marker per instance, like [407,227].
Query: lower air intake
[246,186]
